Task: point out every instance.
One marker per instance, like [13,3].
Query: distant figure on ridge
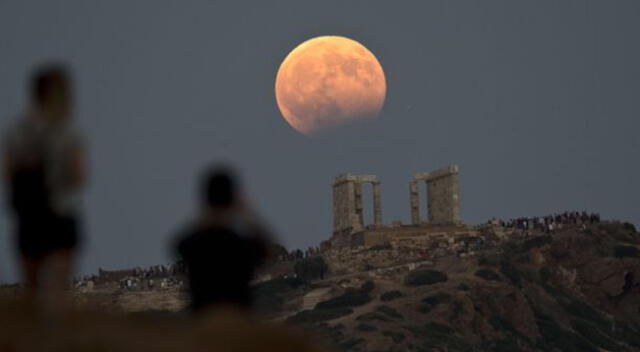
[44,169]
[222,249]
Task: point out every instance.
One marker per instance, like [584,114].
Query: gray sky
[537,101]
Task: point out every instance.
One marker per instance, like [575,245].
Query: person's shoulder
[194,233]
[185,236]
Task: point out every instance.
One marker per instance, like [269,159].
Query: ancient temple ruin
[347,202]
[442,196]
[443,209]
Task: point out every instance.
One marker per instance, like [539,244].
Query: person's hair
[219,187]
[43,78]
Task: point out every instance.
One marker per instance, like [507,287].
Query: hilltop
[502,289]
[572,290]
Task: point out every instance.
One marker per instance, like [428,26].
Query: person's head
[51,90]
[219,189]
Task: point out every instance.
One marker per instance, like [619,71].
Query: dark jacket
[220,264]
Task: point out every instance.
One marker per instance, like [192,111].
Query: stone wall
[388,248]
[382,235]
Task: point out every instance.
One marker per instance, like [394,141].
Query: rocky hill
[575,289]
[572,290]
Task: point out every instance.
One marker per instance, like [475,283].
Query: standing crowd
[298,254]
[550,223]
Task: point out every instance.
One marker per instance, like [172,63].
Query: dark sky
[537,101]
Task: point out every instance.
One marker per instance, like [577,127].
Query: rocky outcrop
[572,290]
[577,289]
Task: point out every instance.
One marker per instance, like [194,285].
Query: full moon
[327,81]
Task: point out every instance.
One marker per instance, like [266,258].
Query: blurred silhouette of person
[44,168]
[224,246]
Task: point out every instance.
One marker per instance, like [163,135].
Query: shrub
[425,308]
[629,227]
[369,267]
[373,316]
[366,327]
[463,287]
[368,286]
[279,285]
[350,298]
[434,300]
[488,274]
[440,337]
[556,293]
[380,247]
[268,295]
[545,274]
[390,312]
[488,261]
[457,309]
[510,272]
[391,295]
[333,333]
[397,337]
[425,277]
[528,274]
[499,323]
[523,259]
[268,303]
[439,328]
[311,268]
[603,249]
[626,252]
[351,343]
[318,315]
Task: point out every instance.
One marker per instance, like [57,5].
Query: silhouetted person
[44,170]
[222,249]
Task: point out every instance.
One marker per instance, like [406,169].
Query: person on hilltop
[223,247]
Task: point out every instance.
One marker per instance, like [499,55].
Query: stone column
[443,195]
[415,202]
[358,203]
[377,204]
[345,214]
